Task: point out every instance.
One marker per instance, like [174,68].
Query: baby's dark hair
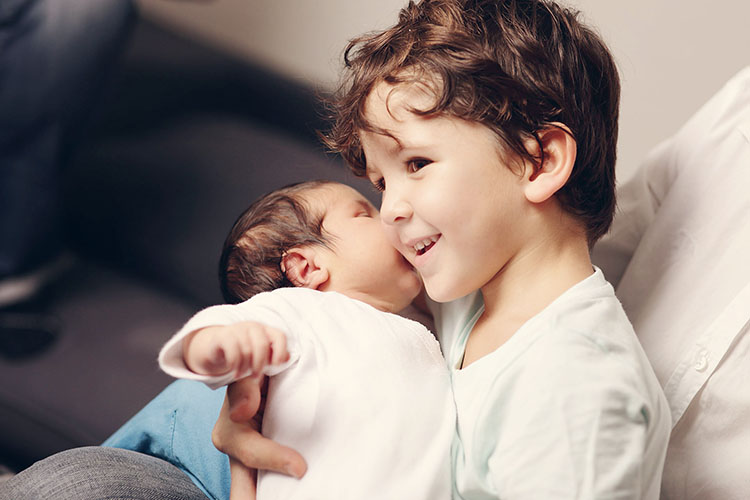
[515,66]
[277,222]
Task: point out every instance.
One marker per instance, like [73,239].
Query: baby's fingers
[217,362]
[235,353]
[261,352]
[268,348]
[279,352]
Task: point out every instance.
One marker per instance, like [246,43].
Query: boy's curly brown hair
[515,66]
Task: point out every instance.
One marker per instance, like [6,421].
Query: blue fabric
[176,426]
[54,57]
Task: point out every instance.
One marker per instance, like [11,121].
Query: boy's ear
[301,267]
[559,157]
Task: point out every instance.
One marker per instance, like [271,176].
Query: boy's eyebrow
[400,148]
[391,135]
[405,144]
[400,145]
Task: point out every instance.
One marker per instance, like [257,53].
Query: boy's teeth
[425,243]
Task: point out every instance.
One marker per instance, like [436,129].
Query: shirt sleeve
[171,355]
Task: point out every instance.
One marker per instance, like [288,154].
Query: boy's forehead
[388,108]
[388,102]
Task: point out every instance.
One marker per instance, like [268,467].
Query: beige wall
[672,54]
[302,38]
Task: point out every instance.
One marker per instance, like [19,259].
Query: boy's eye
[378,184]
[416,164]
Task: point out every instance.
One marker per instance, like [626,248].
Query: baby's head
[516,67]
[319,234]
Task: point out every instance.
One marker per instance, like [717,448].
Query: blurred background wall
[672,54]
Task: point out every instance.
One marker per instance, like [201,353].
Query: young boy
[490,127]
[346,372]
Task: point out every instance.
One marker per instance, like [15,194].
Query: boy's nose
[394,209]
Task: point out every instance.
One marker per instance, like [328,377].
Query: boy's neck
[531,281]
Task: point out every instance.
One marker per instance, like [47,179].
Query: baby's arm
[221,345]
[252,335]
[239,349]
[235,349]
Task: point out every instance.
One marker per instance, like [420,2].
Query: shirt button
[701,361]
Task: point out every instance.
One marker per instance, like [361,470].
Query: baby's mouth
[425,245]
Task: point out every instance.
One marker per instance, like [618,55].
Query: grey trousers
[98,473]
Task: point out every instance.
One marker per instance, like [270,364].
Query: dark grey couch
[184,139]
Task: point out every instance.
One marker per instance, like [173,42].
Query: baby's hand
[237,348]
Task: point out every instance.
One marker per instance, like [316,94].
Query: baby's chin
[403,300]
[406,303]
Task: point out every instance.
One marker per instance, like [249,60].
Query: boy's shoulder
[589,310]
[585,334]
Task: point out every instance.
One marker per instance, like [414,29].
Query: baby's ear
[300,265]
[559,157]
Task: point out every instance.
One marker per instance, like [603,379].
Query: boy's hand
[238,348]
[236,433]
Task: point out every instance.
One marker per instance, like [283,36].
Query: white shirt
[365,398]
[569,407]
[685,220]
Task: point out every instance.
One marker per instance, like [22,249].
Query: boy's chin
[440,294]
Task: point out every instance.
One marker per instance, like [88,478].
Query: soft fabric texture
[567,408]
[176,427]
[100,473]
[365,397]
[680,245]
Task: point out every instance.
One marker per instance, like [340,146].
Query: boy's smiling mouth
[423,246]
